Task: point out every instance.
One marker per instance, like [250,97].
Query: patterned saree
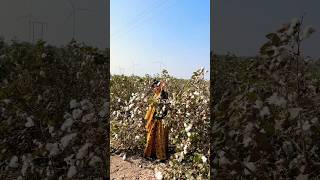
[157,133]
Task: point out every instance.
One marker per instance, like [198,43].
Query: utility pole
[73,14]
[133,67]
[42,28]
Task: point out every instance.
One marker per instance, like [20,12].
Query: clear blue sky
[146,32]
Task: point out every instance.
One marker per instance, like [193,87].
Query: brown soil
[131,168]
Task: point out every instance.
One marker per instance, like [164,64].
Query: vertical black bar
[212,82]
[108,89]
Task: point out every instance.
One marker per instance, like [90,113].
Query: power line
[135,23]
[141,15]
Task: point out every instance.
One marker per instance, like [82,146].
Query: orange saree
[157,134]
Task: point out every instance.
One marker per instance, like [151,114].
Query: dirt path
[131,168]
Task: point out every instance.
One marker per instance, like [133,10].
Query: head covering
[156,83]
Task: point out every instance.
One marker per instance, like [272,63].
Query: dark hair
[155,83]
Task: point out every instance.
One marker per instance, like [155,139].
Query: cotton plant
[129,106]
[266,118]
[55,94]
[195,120]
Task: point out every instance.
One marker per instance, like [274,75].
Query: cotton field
[188,120]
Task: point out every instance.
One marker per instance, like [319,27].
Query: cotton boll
[185,149]
[87,117]
[51,129]
[276,100]
[294,112]
[306,126]
[53,149]
[67,116]
[251,166]
[29,122]
[293,24]
[258,104]
[158,175]
[302,177]
[204,159]
[66,139]
[42,73]
[83,151]
[6,101]
[246,141]
[67,124]
[102,113]
[77,113]
[73,104]
[86,104]
[265,111]
[26,163]
[188,134]
[94,160]
[13,162]
[307,32]
[72,171]
[69,160]
[188,128]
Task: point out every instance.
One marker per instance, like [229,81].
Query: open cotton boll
[83,151]
[13,162]
[26,163]
[204,159]
[77,113]
[72,171]
[294,112]
[69,160]
[94,160]
[265,111]
[6,101]
[66,139]
[188,128]
[158,175]
[306,126]
[53,149]
[293,24]
[86,104]
[29,122]
[67,124]
[251,166]
[87,117]
[307,31]
[276,100]
[124,157]
[103,113]
[73,104]
[51,129]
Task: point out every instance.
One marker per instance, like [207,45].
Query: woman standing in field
[157,133]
